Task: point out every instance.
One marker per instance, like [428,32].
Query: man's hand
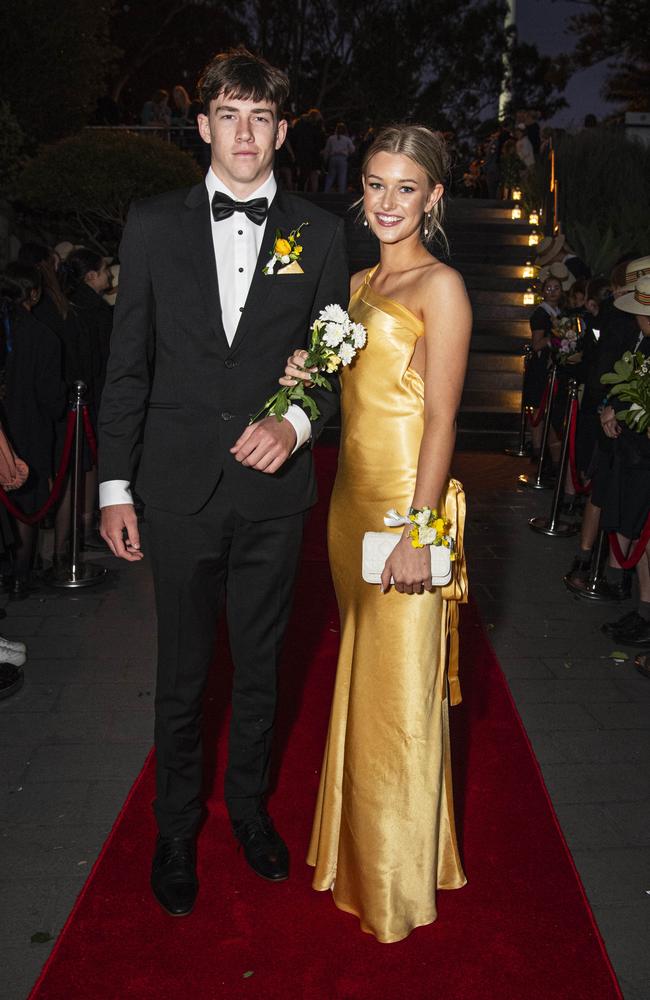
[266,445]
[609,423]
[115,520]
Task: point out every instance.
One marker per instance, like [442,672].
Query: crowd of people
[609,484]
[56,309]
[506,154]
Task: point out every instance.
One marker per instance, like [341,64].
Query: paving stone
[620,716]
[31,851]
[596,782]
[21,967]
[91,698]
[84,763]
[21,628]
[606,746]
[524,666]
[33,698]
[579,690]
[105,798]
[55,805]
[31,729]
[54,647]
[587,826]
[550,717]
[632,819]
[627,932]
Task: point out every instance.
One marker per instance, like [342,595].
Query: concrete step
[494,407]
[490,284]
[494,297]
[485,312]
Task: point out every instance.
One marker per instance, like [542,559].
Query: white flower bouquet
[334,343]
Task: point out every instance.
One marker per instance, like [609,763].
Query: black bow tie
[223,207]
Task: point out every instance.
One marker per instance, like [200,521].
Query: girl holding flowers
[383,838]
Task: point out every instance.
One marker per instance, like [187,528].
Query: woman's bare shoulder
[442,277]
[357,279]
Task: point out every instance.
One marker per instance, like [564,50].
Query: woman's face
[396,195]
[552,292]
[99,280]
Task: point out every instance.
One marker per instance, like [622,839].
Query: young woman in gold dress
[383,838]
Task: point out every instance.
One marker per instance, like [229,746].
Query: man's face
[243,137]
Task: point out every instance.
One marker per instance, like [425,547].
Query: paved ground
[74,738]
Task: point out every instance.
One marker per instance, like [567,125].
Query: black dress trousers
[194,559]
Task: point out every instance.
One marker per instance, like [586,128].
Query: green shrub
[604,196]
[81,187]
[12,150]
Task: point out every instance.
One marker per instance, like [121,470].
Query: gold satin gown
[383,838]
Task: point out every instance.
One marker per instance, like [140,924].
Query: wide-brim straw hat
[637,301]
[557,270]
[634,270]
[549,248]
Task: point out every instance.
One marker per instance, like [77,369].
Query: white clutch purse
[378,545]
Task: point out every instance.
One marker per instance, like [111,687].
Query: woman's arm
[447,331]
[541,339]
[447,318]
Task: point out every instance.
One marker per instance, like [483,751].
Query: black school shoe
[173,875]
[264,848]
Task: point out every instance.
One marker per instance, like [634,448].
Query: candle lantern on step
[516,194]
[516,212]
[533,218]
[528,271]
[533,239]
[529,297]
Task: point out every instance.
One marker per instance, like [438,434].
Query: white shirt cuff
[301,425]
[114,491]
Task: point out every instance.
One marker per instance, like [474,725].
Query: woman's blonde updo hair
[429,152]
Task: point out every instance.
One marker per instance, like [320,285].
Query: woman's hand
[409,568]
[574,359]
[609,423]
[295,371]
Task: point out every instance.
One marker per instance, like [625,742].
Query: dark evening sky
[544,22]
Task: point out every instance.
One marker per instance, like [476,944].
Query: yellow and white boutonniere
[286,251]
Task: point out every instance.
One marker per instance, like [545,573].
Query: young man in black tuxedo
[201,336]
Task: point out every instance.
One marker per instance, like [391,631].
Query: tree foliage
[12,150]
[618,30]
[55,57]
[83,185]
[168,42]
[604,195]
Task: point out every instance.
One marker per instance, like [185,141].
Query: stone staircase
[489,250]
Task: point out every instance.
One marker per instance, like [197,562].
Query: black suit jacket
[175,389]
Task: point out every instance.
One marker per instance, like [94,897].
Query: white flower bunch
[334,343]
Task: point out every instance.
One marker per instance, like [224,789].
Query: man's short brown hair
[245,77]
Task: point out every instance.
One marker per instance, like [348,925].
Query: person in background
[157,110]
[541,325]
[182,108]
[524,147]
[53,308]
[308,138]
[531,123]
[86,277]
[338,149]
[34,401]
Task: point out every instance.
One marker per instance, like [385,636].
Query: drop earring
[427,224]
[365,222]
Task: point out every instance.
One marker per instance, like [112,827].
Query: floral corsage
[428,527]
[286,251]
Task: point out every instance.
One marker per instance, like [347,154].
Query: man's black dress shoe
[638,636]
[628,623]
[173,875]
[264,848]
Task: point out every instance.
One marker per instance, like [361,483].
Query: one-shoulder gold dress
[383,838]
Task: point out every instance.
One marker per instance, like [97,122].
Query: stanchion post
[596,587]
[521,450]
[538,482]
[77,573]
[553,525]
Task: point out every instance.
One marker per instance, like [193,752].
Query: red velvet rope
[90,435]
[580,488]
[541,409]
[58,482]
[639,548]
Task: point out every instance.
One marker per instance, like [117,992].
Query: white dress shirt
[235,270]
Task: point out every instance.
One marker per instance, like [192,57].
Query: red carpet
[520,930]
